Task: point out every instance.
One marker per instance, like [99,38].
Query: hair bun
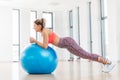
[43,21]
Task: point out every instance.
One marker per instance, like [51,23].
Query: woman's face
[37,27]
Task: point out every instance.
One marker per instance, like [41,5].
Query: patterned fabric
[74,48]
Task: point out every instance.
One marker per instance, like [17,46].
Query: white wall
[5,34]
[84,24]
[24,28]
[118,29]
[96,27]
[61,27]
[113,47]
[75,27]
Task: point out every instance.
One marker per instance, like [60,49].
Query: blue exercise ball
[37,60]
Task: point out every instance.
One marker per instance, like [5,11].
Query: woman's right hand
[32,40]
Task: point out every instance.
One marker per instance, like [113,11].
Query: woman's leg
[75,49]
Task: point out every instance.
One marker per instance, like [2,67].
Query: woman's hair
[40,22]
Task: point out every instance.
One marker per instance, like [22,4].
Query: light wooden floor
[65,70]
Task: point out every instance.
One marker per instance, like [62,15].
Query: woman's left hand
[32,40]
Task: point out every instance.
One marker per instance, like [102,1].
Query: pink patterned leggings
[74,48]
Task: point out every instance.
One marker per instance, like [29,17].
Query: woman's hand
[32,40]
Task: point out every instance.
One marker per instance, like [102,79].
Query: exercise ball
[37,60]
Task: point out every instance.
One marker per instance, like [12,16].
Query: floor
[82,70]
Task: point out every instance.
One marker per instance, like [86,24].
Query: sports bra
[51,37]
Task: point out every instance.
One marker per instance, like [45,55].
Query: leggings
[74,48]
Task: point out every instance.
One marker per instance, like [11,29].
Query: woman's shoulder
[47,31]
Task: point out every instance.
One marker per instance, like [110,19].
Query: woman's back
[52,37]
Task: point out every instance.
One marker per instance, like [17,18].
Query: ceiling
[41,4]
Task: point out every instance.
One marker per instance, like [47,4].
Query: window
[78,12]
[71,30]
[104,26]
[49,19]
[71,23]
[33,17]
[16,34]
[90,28]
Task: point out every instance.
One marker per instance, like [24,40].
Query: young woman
[68,43]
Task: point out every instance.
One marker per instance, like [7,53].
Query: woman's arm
[45,40]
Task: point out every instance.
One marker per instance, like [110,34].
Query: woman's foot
[108,67]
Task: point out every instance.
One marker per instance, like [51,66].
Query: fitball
[37,60]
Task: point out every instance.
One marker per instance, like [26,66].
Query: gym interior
[93,24]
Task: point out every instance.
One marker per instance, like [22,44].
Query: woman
[68,43]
